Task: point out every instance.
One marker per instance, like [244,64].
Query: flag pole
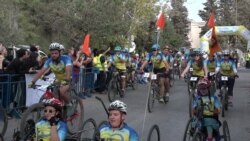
[158,35]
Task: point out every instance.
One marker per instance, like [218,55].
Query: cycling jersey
[43,130]
[119,60]
[197,70]
[212,103]
[211,65]
[169,58]
[227,68]
[59,68]
[157,60]
[125,133]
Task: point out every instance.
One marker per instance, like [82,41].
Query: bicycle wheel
[3,121]
[112,90]
[29,117]
[223,101]
[188,135]
[75,114]
[88,130]
[191,99]
[1,137]
[151,98]
[154,133]
[226,133]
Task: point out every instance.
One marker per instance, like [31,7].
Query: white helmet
[226,52]
[54,46]
[118,105]
[62,47]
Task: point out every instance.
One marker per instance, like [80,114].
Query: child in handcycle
[210,110]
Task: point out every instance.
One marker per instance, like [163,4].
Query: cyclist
[61,66]
[160,67]
[170,60]
[119,60]
[198,65]
[117,129]
[226,67]
[210,111]
[211,65]
[51,127]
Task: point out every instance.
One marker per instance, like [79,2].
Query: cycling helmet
[118,105]
[54,102]
[54,46]
[203,83]
[62,47]
[226,52]
[155,47]
[118,48]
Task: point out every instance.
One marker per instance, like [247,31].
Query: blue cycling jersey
[43,130]
[125,133]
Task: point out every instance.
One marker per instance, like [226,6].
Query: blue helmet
[118,48]
[155,47]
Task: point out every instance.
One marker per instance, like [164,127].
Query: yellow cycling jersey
[197,70]
[119,60]
[157,60]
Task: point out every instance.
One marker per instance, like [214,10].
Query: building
[194,34]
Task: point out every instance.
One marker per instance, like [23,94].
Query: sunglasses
[48,111]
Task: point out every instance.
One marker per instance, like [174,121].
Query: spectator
[77,62]
[3,61]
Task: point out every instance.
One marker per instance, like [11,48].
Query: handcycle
[154,90]
[73,112]
[224,93]
[195,131]
[153,135]
[114,87]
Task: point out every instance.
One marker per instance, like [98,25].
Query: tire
[32,113]
[191,99]
[3,121]
[76,116]
[188,135]
[226,133]
[151,99]
[88,130]
[223,101]
[112,90]
[154,128]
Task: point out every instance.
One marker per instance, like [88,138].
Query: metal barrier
[12,90]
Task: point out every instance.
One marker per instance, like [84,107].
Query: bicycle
[114,87]
[211,77]
[192,82]
[73,112]
[154,90]
[132,80]
[224,94]
[195,131]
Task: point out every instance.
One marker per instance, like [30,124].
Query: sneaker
[166,98]
[230,102]
[122,93]
[161,100]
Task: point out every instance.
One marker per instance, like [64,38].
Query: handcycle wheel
[3,121]
[112,90]
[154,133]
[188,135]
[151,98]
[1,137]
[226,133]
[88,130]
[29,117]
[75,114]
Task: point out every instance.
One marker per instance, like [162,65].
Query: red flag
[211,22]
[85,45]
[214,44]
[160,21]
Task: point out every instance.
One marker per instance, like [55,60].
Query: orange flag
[160,21]
[214,44]
[85,45]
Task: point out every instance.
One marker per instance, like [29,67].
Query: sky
[193,7]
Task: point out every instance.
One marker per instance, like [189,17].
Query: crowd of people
[159,60]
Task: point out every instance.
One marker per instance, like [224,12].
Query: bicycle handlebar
[105,108]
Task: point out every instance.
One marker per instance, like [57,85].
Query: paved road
[173,116]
